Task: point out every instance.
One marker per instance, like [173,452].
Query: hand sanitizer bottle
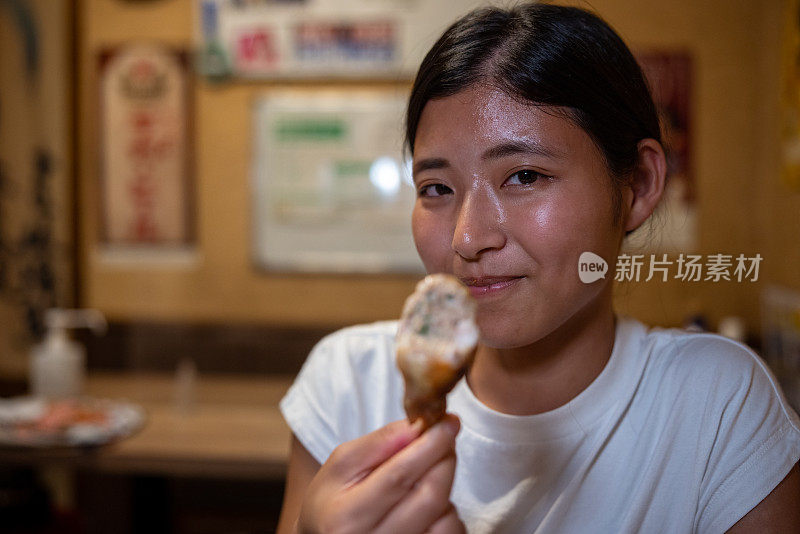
[58,364]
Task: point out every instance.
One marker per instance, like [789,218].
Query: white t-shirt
[681,432]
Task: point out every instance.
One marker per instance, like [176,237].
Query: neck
[550,372]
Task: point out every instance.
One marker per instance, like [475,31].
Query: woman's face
[509,196]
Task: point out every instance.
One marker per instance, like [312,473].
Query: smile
[489,285]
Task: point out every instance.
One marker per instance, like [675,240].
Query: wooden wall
[35,107]
[743,208]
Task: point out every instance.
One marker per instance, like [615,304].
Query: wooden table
[233,429]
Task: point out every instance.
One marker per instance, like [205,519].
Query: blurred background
[224,181]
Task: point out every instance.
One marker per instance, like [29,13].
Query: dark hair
[546,55]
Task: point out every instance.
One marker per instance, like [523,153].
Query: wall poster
[145,147]
[674,228]
[332,191]
[269,39]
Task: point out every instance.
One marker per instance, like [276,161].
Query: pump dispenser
[58,364]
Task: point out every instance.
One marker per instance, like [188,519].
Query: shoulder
[703,358]
[711,380]
[348,386]
[359,346]
[711,399]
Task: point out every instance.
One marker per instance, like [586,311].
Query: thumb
[353,460]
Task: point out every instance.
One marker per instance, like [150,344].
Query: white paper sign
[332,190]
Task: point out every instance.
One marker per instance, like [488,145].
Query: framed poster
[264,39]
[319,39]
[145,147]
[669,74]
[332,191]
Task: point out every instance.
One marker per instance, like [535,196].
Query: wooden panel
[248,349]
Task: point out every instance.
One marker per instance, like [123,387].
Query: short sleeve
[756,438]
[306,407]
[347,387]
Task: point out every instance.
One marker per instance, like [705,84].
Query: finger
[392,480]
[351,461]
[449,523]
[426,503]
[371,498]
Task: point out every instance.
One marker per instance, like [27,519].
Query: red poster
[669,75]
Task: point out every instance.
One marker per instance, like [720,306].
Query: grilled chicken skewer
[436,341]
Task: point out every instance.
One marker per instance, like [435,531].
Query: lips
[489,285]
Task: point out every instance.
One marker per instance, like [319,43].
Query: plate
[38,422]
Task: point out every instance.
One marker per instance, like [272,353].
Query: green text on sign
[313,129]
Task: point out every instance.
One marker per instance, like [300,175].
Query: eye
[524,177]
[434,190]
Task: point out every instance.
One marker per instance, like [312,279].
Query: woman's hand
[392,480]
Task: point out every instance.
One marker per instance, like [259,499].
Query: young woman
[535,139]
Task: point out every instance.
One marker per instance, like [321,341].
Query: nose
[479,225]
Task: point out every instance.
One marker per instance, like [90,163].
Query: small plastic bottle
[185,386]
[734,328]
[58,364]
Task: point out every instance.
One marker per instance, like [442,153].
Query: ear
[647,183]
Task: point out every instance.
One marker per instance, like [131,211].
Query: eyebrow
[496,152]
[521,147]
[429,164]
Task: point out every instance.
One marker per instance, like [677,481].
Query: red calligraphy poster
[145,146]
